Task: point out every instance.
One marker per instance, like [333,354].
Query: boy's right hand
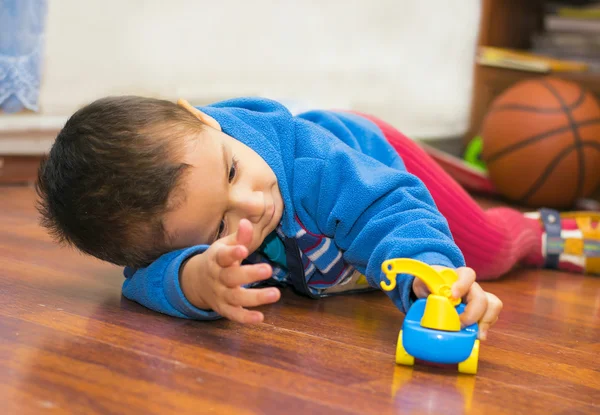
[214,279]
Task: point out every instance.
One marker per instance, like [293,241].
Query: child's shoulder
[252,104]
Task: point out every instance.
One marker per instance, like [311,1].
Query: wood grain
[72,344]
[18,169]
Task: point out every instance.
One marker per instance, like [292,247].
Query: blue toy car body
[438,346]
[432,330]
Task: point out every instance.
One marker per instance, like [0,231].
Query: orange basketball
[541,143]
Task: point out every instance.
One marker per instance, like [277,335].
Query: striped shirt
[323,262]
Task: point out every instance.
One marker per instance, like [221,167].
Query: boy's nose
[249,205]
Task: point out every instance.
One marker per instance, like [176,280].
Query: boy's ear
[204,118]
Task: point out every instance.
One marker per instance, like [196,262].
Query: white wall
[409,62]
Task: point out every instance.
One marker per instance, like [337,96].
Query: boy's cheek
[254,246]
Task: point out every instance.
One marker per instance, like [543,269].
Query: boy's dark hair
[107,181]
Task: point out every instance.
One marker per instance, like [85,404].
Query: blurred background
[409,62]
[431,68]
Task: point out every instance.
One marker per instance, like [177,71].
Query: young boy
[210,208]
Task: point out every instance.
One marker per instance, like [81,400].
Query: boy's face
[227,181]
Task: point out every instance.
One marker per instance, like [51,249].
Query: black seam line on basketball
[527,108]
[544,176]
[591,144]
[518,107]
[509,149]
[576,136]
[580,98]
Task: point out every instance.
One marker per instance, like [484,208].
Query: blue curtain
[21,52]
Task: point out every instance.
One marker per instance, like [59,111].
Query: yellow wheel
[402,357]
[470,365]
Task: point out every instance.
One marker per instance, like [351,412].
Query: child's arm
[191,283]
[158,286]
[373,212]
[430,240]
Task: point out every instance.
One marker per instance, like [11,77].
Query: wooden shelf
[510,24]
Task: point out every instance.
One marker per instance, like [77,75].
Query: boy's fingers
[420,289]
[246,274]
[228,255]
[490,316]
[243,235]
[244,232]
[241,315]
[477,304]
[252,297]
[466,278]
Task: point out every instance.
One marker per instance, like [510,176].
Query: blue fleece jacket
[340,178]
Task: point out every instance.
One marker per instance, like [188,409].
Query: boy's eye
[233,170]
[221,229]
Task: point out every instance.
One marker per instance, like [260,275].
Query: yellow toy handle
[439,283]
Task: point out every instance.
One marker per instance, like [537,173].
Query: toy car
[431,329]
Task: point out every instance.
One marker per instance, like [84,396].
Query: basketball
[541,143]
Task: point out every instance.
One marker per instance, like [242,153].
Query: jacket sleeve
[157,286]
[374,212]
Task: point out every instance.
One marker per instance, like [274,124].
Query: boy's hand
[481,306]
[215,279]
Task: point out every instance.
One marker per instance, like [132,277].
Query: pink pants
[493,241]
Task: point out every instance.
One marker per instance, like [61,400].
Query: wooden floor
[71,344]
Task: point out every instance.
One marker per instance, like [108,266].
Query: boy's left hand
[481,307]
